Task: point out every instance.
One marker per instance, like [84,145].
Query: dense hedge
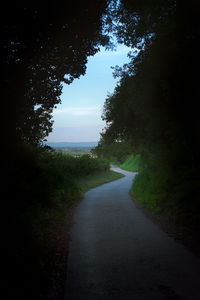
[168,189]
[44,188]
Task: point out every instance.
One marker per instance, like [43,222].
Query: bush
[44,188]
[48,184]
[47,179]
[170,189]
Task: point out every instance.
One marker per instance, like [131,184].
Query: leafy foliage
[115,152]
[155,104]
[42,47]
[153,111]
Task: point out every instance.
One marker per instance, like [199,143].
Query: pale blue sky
[78,117]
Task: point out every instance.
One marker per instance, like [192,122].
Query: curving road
[116,252]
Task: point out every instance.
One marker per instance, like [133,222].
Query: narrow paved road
[116,252]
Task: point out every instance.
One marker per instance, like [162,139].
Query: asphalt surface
[116,252]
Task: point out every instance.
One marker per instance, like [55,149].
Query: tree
[156,102]
[151,102]
[44,46]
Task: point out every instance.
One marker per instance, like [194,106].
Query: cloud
[79,111]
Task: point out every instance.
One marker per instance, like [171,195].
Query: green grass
[132,163]
[148,189]
[91,181]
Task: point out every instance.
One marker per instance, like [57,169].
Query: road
[116,252]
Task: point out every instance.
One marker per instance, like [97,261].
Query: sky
[78,117]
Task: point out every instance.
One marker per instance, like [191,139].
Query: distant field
[71,145]
[74,150]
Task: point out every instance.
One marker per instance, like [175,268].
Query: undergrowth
[45,188]
[170,189]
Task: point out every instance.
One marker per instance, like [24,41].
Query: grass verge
[60,251]
[132,163]
[91,181]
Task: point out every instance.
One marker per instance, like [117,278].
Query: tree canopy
[153,111]
[43,46]
[156,99]
[155,104]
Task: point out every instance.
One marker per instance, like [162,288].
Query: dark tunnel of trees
[153,111]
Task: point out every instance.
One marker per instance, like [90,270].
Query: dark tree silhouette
[156,102]
[44,46]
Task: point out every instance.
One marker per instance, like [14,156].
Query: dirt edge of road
[179,232]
